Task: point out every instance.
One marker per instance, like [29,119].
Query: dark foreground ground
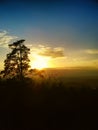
[72,105]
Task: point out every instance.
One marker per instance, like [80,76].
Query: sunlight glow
[39,62]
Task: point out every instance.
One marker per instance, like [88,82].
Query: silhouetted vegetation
[43,101]
[17,61]
[49,104]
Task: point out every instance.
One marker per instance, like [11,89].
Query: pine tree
[16,63]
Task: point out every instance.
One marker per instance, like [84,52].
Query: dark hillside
[54,106]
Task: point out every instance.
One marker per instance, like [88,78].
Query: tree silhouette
[16,63]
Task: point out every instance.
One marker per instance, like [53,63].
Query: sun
[39,62]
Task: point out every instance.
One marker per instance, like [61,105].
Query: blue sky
[70,24]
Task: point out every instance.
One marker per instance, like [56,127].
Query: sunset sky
[60,33]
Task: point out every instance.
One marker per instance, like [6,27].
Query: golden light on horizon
[46,57]
[39,62]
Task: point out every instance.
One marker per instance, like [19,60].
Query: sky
[60,33]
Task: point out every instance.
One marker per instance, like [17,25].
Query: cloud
[91,51]
[5,38]
[49,51]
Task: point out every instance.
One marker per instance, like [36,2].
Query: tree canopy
[17,61]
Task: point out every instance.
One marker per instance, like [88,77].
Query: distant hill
[73,72]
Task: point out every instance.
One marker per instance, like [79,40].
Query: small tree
[16,63]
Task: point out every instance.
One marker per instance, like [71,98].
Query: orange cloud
[92,51]
[49,51]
